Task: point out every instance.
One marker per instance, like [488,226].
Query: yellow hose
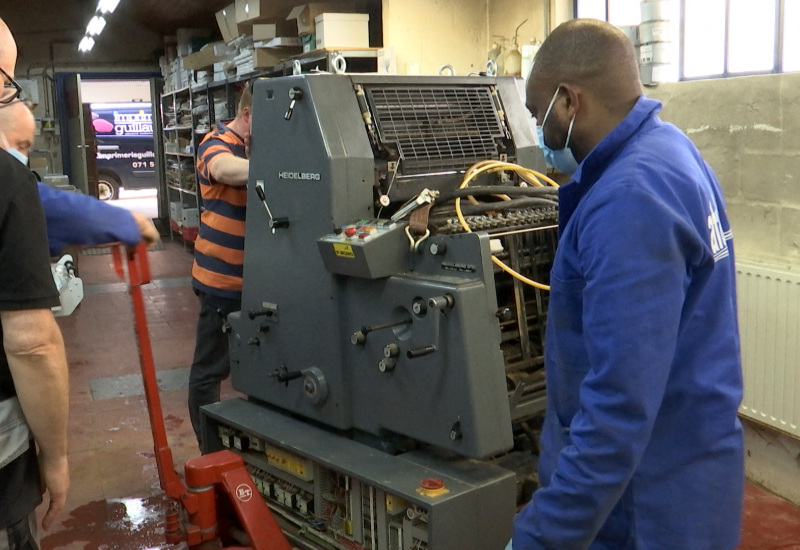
[527,175]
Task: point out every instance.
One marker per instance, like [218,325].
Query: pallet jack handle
[207,476]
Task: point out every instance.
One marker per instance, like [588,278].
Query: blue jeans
[20,536]
[211,364]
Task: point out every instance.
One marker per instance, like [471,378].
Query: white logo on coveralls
[718,237]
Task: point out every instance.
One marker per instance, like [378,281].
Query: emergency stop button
[432,487]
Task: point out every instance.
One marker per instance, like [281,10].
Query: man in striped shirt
[222,169]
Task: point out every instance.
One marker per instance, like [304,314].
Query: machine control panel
[371,249]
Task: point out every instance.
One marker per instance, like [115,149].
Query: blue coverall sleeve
[73,218]
[633,252]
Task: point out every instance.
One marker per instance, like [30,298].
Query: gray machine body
[382,357]
[292,345]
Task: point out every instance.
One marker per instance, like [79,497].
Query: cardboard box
[190,217]
[206,57]
[273,29]
[309,42]
[304,15]
[254,11]
[266,58]
[280,42]
[175,210]
[191,40]
[226,20]
[342,30]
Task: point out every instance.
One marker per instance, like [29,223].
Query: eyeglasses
[11,90]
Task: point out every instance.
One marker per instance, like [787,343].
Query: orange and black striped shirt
[219,248]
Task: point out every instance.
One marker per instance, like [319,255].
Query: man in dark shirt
[34,395]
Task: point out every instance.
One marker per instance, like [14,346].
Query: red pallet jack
[219,495]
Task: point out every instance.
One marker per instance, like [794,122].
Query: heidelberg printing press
[390,341]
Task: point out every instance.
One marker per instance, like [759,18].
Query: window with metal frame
[720,38]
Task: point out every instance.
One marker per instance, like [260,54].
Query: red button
[350,231]
[432,484]
[363,235]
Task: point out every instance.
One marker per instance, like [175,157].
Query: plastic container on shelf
[528,54]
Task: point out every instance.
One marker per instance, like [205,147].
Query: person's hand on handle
[147,229]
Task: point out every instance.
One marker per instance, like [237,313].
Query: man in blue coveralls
[641,446]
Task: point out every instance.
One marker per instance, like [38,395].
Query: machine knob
[387,364]
[315,386]
[441,302]
[391,350]
[358,338]
[437,248]
[504,314]
[419,307]
[278,223]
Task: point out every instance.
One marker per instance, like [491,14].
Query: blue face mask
[17,155]
[561,159]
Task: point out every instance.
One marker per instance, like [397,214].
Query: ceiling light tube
[95,26]
[86,45]
[107,6]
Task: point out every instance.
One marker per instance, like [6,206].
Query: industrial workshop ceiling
[164,17]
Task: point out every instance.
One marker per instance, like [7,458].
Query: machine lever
[226,328]
[294,94]
[360,336]
[282,374]
[420,352]
[274,223]
[253,313]
[426,196]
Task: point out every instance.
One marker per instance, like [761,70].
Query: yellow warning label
[343,250]
[291,463]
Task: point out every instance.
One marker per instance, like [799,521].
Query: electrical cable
[522,202]
[527,175]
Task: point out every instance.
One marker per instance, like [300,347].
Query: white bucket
[655,52]
[657,10]
[654,31]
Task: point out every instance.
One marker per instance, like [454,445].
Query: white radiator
[769,324]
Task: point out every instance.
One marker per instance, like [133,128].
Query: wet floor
[116,524]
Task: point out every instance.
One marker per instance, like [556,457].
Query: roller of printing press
[435,346]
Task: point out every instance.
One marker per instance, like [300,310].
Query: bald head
[8,49]
[592,54]
[584,82]
[18,126]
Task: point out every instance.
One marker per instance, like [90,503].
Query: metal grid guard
[437,128]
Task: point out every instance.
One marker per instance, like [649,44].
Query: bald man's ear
[4,142]
[574,97]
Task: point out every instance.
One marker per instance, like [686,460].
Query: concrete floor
[115,500]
